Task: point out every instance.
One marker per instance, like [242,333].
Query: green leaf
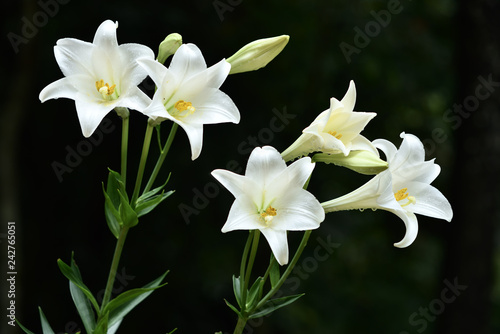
[112,215]
[127,214]
[232,307]
[102,325]
[81,301]
[146,206]
[115,185]
[153,192]
[274,304]
[237,290]
[120,306]
[27,331]
[46,329]
[274,273]
[255,293]
[74,276]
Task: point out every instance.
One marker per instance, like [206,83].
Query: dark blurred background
[430,68]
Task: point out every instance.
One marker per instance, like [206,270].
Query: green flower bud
[257,54]
[363,162]
[168,47]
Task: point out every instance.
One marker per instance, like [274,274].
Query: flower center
[403,194]
[334,133]
[268,215]
[104,89]
[183,109]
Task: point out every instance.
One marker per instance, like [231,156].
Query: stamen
[268,215]
[334,133]
[184,108]
[403,194]
[104,88]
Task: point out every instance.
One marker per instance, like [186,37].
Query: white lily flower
[188,93]
[99,76]
[403,189]
[336,130]
[270,198]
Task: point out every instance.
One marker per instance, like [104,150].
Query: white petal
[349,98]
[217,74]
[91,114]
[279,244]
[213,107]
[292,178]
[242,216]
[298,210]
[136,99]
[411,152]
[195,136]
[387,147]
[187,61]
[60,88]
[105,36]
[74,56]
[429,201]
[304,145]
[238,185]
[154,69]
[411,224]
[363,144]
[131,72]
[264,164]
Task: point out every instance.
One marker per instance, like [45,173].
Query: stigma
[104,89]
[268,215]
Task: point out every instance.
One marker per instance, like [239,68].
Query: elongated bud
[363,162]
[168,47]
[257,54]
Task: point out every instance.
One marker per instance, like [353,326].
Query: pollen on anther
[269,214]
[104,88]
[334,133]
[181,105]
[401,194]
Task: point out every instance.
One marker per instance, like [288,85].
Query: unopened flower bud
[257,54]
[363,162]
[168,47]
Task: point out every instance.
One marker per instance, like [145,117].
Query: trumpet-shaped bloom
[336,130]
[99,76]
[270,198]
[403,189]
[188,93]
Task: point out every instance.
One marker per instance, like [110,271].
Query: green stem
[287,272]
[125,126]
[244,259]
[114,266]
[142,163]
[161,158]
[251,259]
[240,325]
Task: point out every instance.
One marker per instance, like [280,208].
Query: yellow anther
[403,194]
[268,214]
[104,88]
[334,133]
[181,105]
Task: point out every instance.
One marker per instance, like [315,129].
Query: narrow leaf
[146,206]
[153,192]
[232,307]
[81,301]
[237,290]
[77,280]
[102,325]
[255,292]
[120,306]
[127,214]
[46,329]
[274,304]
[274,273]
[112,215]
[27,331]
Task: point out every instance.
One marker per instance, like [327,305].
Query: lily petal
[279,244]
